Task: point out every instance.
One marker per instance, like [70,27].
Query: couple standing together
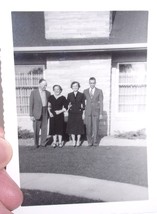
[86,106]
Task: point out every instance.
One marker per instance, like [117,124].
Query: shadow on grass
[120,164]
[37,197]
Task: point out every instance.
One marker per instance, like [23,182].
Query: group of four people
[86,106]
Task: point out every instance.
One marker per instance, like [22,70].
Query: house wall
[63,69]
[77,24]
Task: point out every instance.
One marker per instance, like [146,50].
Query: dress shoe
[60,145]
[78,144]
[54,145]
[74,144]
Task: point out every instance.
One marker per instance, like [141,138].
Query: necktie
[91,93]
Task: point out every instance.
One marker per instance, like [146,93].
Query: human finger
[4,210]
[5,152]
[10,194]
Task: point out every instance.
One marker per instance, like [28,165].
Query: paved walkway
[80,186]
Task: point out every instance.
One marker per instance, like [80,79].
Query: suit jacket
[36,103]
[94,106]
[78,102]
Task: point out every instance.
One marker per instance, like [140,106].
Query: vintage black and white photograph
[81,88]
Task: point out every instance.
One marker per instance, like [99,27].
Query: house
[72,45]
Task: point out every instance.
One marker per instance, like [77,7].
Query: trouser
[41,124]
[92,126]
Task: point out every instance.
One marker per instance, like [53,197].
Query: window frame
[25,86]
[127,113]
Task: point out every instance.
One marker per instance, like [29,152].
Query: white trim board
[83,48]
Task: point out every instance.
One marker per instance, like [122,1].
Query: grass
[122,164]
[37,197]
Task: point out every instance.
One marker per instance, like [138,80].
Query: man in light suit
[39,112]
[93,111]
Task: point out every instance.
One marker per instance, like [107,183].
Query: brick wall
[76,24]
[65,71]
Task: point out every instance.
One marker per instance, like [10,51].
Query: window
[132,87]
[27,78]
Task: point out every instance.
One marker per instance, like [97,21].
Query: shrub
[24,133]
[139,134]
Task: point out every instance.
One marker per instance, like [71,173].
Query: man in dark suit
[93,111]
[39,112]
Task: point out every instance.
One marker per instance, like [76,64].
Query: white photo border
[10,115]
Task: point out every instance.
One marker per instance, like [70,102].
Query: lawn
[123,164]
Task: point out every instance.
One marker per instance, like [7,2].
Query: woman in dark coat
[57,105]
[76,106]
